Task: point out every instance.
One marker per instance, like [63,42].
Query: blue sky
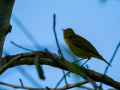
[97,22]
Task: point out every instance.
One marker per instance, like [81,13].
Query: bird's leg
[87,60]
[78,60]
[81,59]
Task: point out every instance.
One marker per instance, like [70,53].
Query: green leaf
[38,66]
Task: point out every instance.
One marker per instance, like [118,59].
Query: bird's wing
[82,43]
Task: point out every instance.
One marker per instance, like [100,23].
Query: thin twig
[59,50]
[21,47]
[61,79]
[110,61]
[54,23]
[65,77]
[21,82]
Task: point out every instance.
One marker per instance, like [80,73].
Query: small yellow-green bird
[80,46]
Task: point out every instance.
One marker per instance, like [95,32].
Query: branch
[22,47]
[63,88]
[68,86]
[28,59]
[23,87]
[5,27]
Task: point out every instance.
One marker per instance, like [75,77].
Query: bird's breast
[77,51]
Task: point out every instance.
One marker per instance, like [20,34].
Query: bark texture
[6,7]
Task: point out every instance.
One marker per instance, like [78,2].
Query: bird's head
[68,32]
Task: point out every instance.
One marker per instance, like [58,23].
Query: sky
[95,20]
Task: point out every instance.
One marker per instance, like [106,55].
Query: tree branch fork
[45,59]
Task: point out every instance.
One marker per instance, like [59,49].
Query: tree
[45,57]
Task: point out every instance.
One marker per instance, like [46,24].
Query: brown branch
[23,87]
[28,59]
[68,86]
[63,88]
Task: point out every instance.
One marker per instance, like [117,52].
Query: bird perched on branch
[80,46]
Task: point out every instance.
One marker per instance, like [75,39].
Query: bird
[80,46]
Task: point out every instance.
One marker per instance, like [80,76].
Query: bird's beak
[63,29]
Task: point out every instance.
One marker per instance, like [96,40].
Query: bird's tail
[104,60]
